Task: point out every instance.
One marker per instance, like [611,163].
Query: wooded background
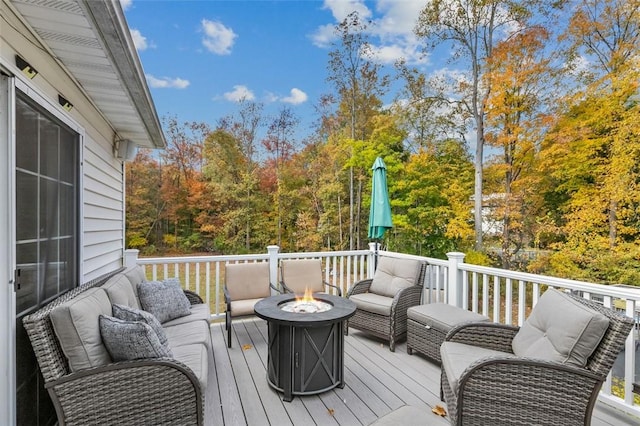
[539,124]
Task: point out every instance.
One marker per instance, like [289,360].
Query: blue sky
[200,57]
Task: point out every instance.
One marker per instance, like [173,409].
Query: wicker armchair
[382,301]
[500,387]
[296,275]
[160,391]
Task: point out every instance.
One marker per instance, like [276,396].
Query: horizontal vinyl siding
[103,204]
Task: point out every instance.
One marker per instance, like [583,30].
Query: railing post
[273,265]
[454,281]
[131,257]
[371,261]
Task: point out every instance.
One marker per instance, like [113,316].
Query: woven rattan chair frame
[393,327]
[154,392]
[521,391]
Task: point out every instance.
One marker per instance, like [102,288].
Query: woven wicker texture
[524,391]
[393,327]
[150,392]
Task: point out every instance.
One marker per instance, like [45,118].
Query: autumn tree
[471,28]
[521,75]
[359,84]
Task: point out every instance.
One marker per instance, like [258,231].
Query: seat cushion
[120,291]
[188,334]
[243,307]
[127,313]
[129,340]
[76,324]
[247,280]
[164,299]
[442,316]
[196,358]
[560,329]
[199,312]
[456,357]
[392,275]
[373,303]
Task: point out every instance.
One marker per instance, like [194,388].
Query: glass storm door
[46,249]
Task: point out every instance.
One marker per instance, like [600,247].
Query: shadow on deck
[377,382]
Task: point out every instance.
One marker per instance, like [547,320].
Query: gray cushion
[300,274]
[120,291]
[76,326]
[457,357]
[164,299]
[128,340]
[197,359]
[135,275]
[188,334]
[131,314]
[199,312]
[373,303]
[442,316]
[392,275]
[560,329]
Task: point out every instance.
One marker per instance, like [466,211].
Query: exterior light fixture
[68,106]
[125,149]
[25,67]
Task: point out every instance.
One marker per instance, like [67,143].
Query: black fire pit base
[306,351]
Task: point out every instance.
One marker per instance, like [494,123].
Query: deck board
[377,381]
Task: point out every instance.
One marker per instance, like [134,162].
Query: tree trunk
[613,223]
[477,211]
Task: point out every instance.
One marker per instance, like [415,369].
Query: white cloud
[323,36]
[126,4]
[217,38]
[167,83]
[139,40]
[340,9]
[239,93]
[295,97]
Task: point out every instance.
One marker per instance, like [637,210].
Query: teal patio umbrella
[380,211]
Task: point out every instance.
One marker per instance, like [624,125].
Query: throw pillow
[128,313]
[560,329]
[164,299]
[129,340]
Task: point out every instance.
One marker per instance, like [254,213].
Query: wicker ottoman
[427,325]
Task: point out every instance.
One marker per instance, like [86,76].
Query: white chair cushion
[247,280]
[120,291]
[560,329]
[375,303]
[392,275]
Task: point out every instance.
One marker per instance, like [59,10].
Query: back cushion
[560,329]
[136,276]
[301,274]
[393,275]
[247,280]
[120,291]
[77,327]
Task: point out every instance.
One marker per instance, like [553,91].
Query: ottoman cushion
[442,316]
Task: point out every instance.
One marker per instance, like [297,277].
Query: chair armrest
[406,298]
[360,287]
[227,298]
[334,286]
[154,391]
[484,334]
[194,298]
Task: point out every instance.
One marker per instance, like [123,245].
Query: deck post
[372,261]
[454,281]
[273,265]
[131,257]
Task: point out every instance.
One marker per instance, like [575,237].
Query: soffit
[92,41]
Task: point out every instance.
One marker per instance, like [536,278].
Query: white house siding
[101,183]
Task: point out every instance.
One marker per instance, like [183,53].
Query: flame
[308,296]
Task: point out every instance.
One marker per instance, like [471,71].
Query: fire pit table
[306,342]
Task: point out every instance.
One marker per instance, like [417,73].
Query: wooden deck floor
[377,382]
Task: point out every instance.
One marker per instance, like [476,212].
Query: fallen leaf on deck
[331,411]
[246,347]
[439,410]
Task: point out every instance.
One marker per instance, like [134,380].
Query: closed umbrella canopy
[380,213]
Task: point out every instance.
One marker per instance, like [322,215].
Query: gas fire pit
[306,342]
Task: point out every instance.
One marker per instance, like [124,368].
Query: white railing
[505,296]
